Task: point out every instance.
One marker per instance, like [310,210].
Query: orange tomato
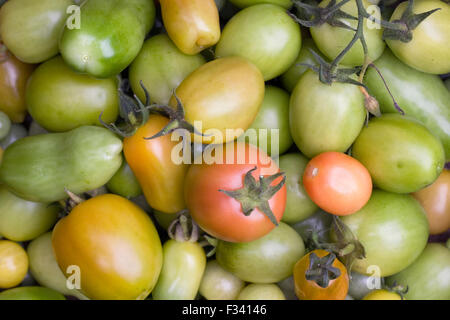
[161,179]
[193,25]
[337,183]
[435,199]
[338,281]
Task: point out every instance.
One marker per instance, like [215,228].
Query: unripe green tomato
[124,183]
[258,291]
[219,284]
[31,293]
[247,3]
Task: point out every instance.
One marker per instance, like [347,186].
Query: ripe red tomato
[221,215]
[337,183]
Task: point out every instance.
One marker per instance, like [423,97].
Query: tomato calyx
[397,288]
[256,194]
[183,229]
[321,270]
[407,23]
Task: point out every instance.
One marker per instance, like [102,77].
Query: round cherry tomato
[325,118]
[261,291]
[264,34]
[360,285]
[391,241]
[271,125]
[267,260]
[435,199]
[118,231]
[319,275]
[429,49]
[401,154]
[337,183]
[332,40]
[161,66]
[13,264]
[31,29]
[222,215]
[382,294]
[219,284]
[60,99]
[31,293]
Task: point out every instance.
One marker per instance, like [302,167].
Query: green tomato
[30,29]
[40,168]
[421,96]
[392,228]
[429,48]
[325,118]
[31,293]
[16,132]
[111,34]
[400,153]
[219,284]
[60,99]
[428,277]
[272,123]
[124,183]
[22,220]
[332,40]
[247,3]
[266,260]
[298,205]
[182,271]
[264,34]
[318,225]
[45,269]
[359,285]
[161,66]
[5,125]
[261,291]
[293,74]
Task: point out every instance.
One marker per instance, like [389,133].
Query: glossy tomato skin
[13,264]
[162,67]
[222,94]
[325,118]
[116,30]
[247,3]
[266,35]
[266,260]
[193,25]
[273,115]
[400,153]
[298,204]
[115,245]
[22,220]
[332,40]
[435,199]
[14,75]
[221,215]
[45,269]
[337,183]
[31,29]
[309,290]
[124,183]
[161,179]
[391,241]
[219,284]
[60,99]
[429,49]
[40,168]
[382,294]
[261,291]
[182,271]
[421,96]
[427,277]
[31,293]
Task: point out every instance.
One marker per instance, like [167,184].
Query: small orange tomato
[161,178]
[337,183]
[193,25]
[319,275]
[435,199]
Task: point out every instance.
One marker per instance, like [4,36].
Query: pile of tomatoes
[120,179]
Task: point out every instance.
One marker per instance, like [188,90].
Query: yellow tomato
[112,247]
[222,94]
[382,294]
[13,264]
[193,25]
